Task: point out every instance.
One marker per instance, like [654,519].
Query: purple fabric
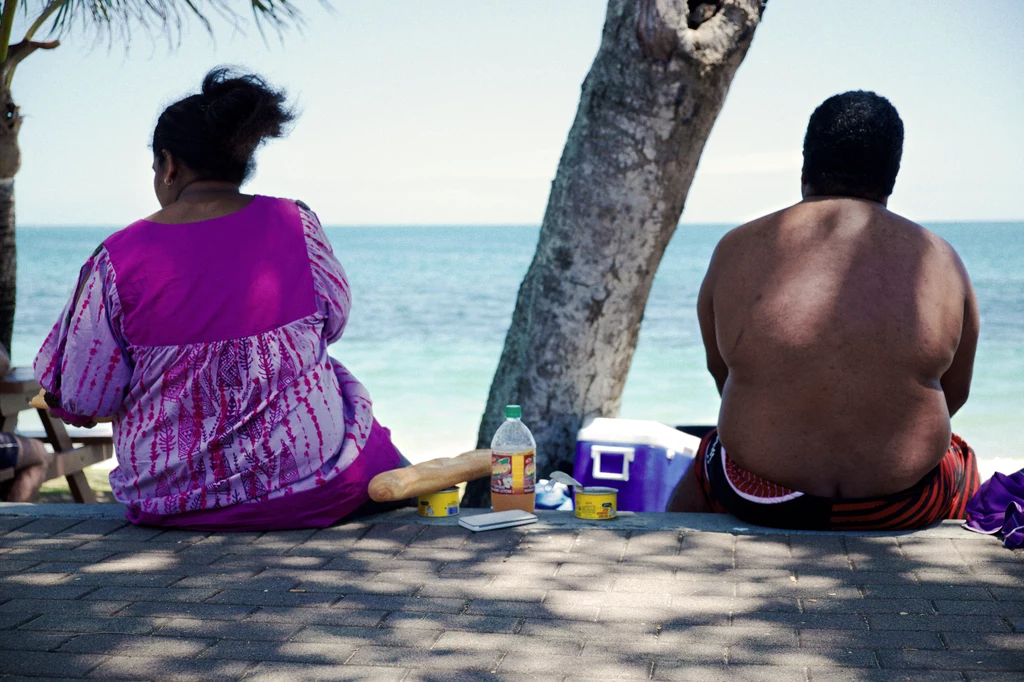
[997,508]
[315,508]
[214,280]
[204,419]
[1013,526]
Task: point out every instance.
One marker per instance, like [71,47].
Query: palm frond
[117,20]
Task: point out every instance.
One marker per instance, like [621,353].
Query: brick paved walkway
[394,598]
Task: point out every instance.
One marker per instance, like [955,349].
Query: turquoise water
[432,305]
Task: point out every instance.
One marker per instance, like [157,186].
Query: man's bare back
[845,338]
[841,337]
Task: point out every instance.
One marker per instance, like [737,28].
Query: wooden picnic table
[16,390]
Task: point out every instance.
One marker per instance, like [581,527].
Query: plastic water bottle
[513,467]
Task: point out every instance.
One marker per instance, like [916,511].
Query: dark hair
[853,146]
[216,132]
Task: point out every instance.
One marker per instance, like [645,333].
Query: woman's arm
[333,297]
[84,365]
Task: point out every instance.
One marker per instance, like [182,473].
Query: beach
[431,306]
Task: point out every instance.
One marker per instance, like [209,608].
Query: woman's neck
[202,200]
[205,190]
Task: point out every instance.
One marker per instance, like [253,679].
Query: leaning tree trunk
[646,109]
[10,162]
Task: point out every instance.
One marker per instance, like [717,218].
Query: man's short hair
[853,146]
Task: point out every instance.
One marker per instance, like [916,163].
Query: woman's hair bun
[243,109]
[217,131]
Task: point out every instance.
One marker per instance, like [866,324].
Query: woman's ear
[168,167]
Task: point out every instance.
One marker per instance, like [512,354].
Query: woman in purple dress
[202,331]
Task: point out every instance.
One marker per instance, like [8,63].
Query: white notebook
[505,519]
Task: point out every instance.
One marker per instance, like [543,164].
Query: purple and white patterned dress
[207,344]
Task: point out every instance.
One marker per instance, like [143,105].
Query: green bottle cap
[513,412]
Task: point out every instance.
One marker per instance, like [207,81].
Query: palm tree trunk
[646,109]
[10,162]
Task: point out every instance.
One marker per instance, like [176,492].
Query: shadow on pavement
[384,600]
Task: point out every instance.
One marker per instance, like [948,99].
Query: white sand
[987,467]
[1003,465]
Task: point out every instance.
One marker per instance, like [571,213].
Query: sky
[456,111]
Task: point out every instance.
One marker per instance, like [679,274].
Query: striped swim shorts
[942,494]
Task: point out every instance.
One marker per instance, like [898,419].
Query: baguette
[430,476]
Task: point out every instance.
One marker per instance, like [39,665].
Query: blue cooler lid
[639,432]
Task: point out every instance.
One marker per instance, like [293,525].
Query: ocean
[431,306]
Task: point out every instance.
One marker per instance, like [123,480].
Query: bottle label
[513,473]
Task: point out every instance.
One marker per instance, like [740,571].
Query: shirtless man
[26,456]
[842,340]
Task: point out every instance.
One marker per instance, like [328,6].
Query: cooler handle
[627,456]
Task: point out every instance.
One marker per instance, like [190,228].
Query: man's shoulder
[740,235]
[738,250]
[939,246]
[930,250]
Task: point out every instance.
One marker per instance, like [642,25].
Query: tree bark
[646,109]
[10,162]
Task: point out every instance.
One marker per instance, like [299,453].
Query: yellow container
[596,502]
[441,503]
